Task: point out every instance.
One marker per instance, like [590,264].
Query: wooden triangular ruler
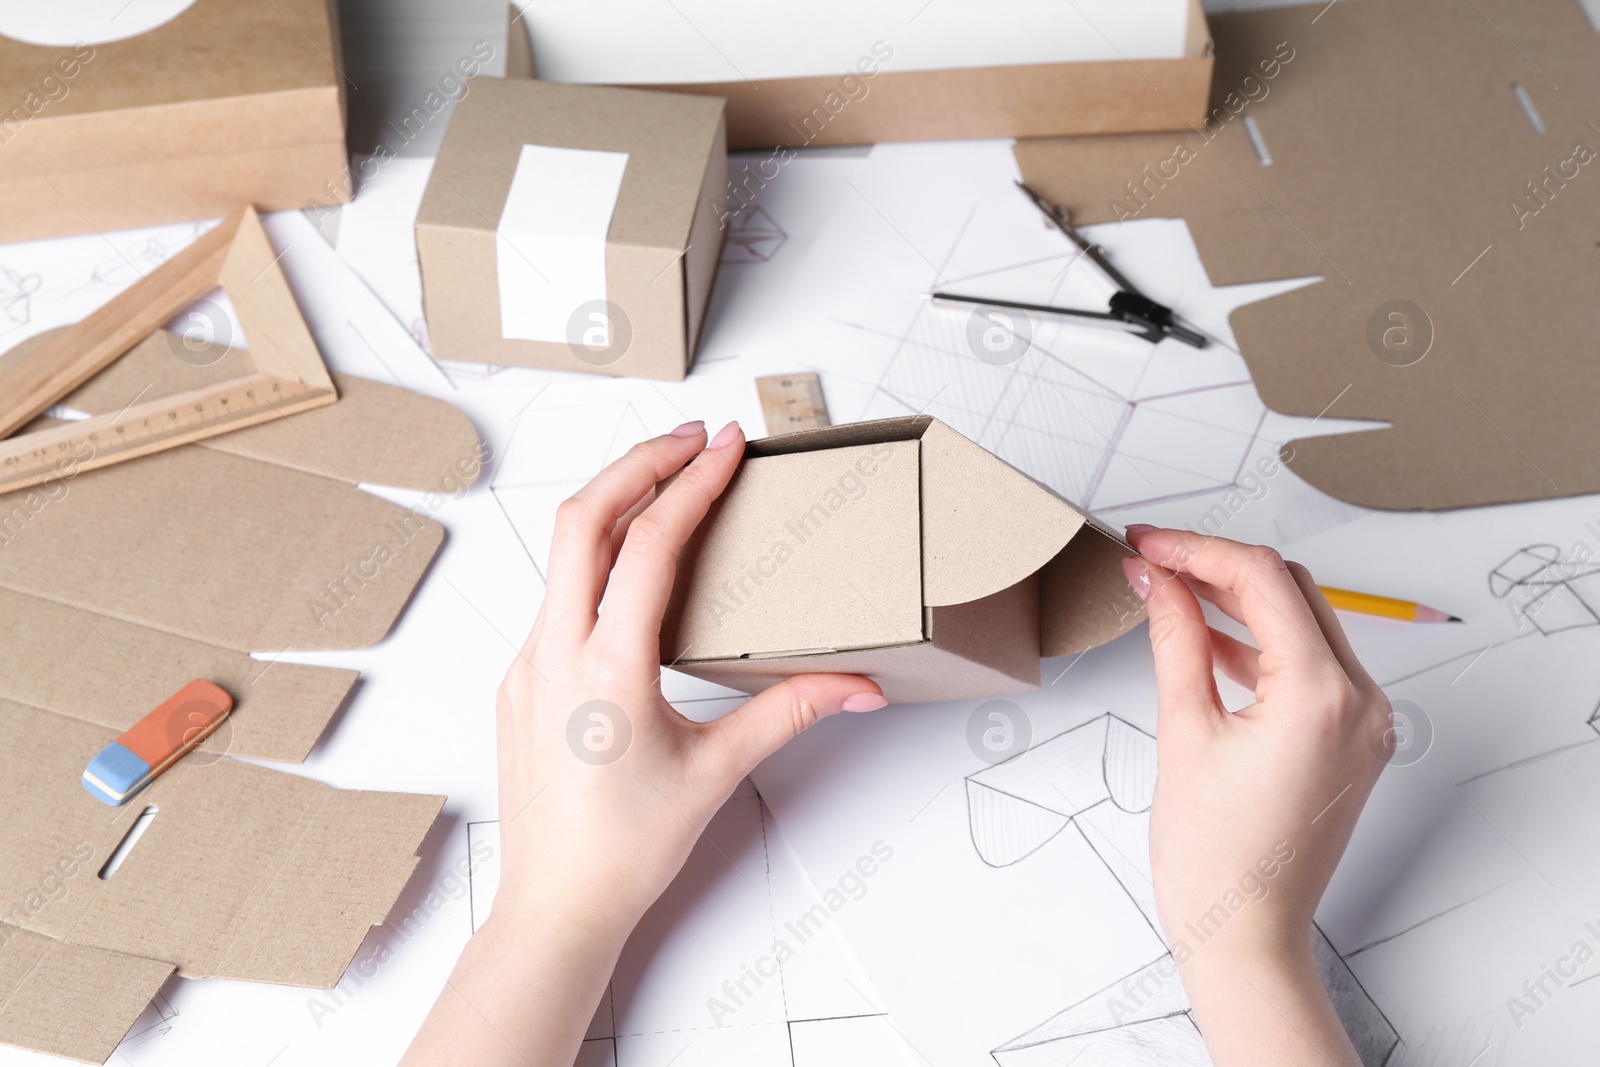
[289,374]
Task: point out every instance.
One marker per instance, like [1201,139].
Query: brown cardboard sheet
[243,872]
[1456,240]
[231,101]
[117,671]
[1009,570]
[118,585]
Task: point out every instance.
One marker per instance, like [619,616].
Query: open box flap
[1084,598]
[985,524]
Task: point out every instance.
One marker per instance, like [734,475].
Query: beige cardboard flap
[1084,598]
[377,433]
[69,1000]
[813,551]
[118,671]
[242,872]
[985,525]
[221,549]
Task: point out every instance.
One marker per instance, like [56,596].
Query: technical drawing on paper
[16,292]
[754,236]
[795,1008]
[1099,778]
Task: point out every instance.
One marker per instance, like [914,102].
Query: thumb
[770,719]
[1181,643]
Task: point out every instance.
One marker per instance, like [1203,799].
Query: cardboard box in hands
[897,549]
[574,228]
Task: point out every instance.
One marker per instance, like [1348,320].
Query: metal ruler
[792,402]
[63,451]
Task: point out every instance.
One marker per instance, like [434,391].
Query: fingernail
[1139,529]
[1138,576]
[690,429]
[864,702]
[726,436]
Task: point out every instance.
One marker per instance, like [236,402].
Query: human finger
[580,552]
[641,582]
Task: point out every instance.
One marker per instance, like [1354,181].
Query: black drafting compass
[1130,310]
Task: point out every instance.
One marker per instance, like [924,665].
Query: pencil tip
[1455,618]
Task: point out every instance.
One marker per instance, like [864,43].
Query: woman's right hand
[1253,808]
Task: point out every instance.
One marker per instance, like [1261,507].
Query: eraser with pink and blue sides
[156,742]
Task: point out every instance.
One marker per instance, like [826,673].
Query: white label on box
[550,246]
[69,22]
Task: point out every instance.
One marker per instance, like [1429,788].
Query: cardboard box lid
[119,105]
[243,872]
[669,138]
[1400,153]
[984,528]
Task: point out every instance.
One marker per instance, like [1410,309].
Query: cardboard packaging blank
[660,252]
[1454,232]
[1024,100]
[897,549]
[117,585]
[230,102]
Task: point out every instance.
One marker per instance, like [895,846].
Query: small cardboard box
[574,228]
[877,96]
[897,549]
[230,102]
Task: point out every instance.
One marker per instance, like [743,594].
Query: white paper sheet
[550,244]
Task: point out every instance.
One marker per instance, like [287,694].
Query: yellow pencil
[1387,606]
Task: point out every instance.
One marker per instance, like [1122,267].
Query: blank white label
[550,246]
